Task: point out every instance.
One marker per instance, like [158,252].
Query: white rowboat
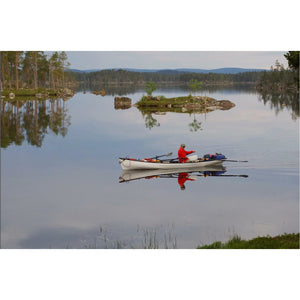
[132,164]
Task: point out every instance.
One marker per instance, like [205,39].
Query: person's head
[182,187]
[182,145]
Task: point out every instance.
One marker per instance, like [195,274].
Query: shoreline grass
[285,241]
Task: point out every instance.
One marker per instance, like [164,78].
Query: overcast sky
[84,60]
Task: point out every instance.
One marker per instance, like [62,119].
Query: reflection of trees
[31,120]
[122,89]
[11,130]
[59,121]
[279,101]
[114,90]
[150,122]
[195,125]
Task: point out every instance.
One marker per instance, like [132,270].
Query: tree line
[34,69]
[280,79]
[121,76]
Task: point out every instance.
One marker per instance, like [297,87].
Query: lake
[60,175]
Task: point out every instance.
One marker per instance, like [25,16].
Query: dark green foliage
[150,87]
[195,85]
[277,80]
[293,59]
[286,241]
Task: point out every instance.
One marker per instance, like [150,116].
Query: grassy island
[39,93]
[183,104]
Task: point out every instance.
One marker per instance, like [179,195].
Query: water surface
[60,177]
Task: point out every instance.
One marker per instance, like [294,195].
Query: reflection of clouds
[63,192]
[55,238]
[202,213]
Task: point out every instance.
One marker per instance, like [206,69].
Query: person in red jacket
[182,153]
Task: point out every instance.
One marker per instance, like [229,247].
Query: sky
[85,60]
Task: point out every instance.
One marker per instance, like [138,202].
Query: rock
[65,93]
[101,92]
[225,104]
[39,95]
[155,98]
[122,102]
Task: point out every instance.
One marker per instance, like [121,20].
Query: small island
[189,103]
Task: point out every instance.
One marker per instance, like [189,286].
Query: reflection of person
[182,178]
[182,153]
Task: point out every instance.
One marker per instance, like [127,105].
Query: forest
[120,76]
[34,69]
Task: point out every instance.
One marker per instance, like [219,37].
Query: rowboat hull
[128,164]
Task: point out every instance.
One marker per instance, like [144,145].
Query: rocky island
[183,104]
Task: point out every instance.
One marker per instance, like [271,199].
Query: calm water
[60,173]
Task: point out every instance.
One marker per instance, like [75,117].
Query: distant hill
[220,71]
[84,71]
[178,71]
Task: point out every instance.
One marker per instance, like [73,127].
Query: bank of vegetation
[280,87]
[285,241]
[122,77]
[26,73]
[279,79]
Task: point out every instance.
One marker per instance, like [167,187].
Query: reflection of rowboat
[129,175]
[137,164]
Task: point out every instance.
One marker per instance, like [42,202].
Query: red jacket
[182,154]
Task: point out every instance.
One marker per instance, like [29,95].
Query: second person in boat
[182,153]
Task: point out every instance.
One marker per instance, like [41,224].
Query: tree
[195,85]
[150,87]
[4,67]
[293,59]
[17,64]
[64,63]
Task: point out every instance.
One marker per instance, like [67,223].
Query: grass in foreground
[285,241]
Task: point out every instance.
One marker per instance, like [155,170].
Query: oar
[231,160]
[245,176]
[157,156]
